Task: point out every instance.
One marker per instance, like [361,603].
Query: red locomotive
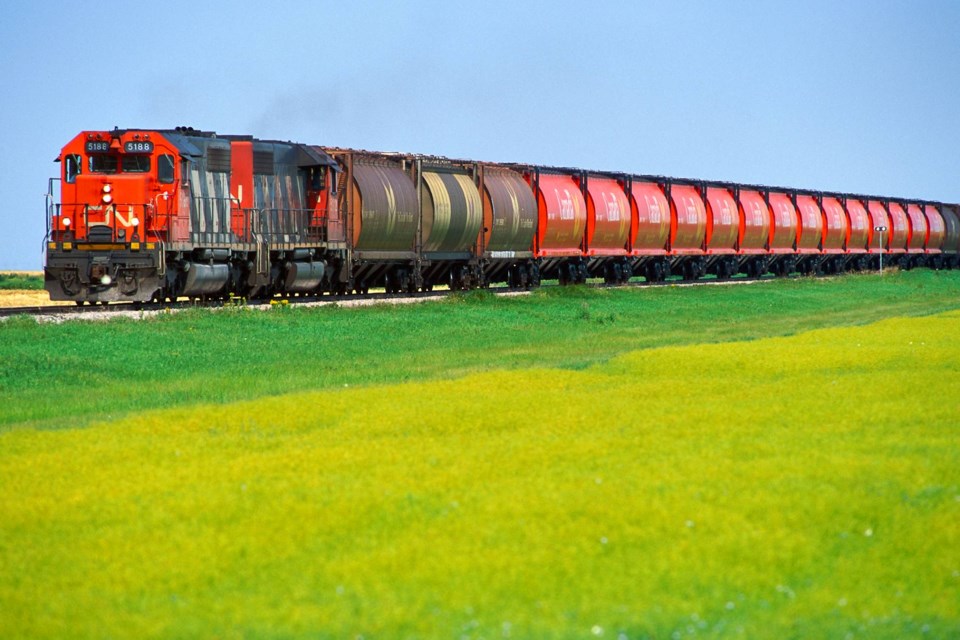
[150,215]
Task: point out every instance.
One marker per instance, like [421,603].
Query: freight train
[147,215]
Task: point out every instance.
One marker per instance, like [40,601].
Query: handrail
[217,215]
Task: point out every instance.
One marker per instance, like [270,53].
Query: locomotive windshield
[103,164]
[135,164]
[112,163]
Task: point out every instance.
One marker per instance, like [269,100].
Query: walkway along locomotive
[160,214]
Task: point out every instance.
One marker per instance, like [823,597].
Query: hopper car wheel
[521,277]
[513,276]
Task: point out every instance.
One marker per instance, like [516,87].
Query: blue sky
[848,96]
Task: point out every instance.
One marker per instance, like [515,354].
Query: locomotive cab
[105,235]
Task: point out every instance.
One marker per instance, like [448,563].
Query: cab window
[135,164]
[71,168]
[165,169]
[103,164]
[316,179]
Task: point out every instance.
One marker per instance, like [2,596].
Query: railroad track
[65,312]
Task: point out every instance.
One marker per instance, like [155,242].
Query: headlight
[135,222]
[107,198]
[65,222]
[105,280]
[107,188]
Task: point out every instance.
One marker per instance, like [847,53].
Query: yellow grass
[26,298]
[805,486]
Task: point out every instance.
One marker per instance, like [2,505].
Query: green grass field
[764,461]
[21,280]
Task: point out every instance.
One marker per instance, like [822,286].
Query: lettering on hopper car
[725,215]
[613,209]
[783,215]
[653,209]
[566,204]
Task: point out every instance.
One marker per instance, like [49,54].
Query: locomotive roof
[191,142]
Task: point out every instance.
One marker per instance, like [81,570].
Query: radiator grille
[263,162]
[218,160]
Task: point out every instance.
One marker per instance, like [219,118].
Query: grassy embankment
[596,487]
[61,376]
[19,280]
